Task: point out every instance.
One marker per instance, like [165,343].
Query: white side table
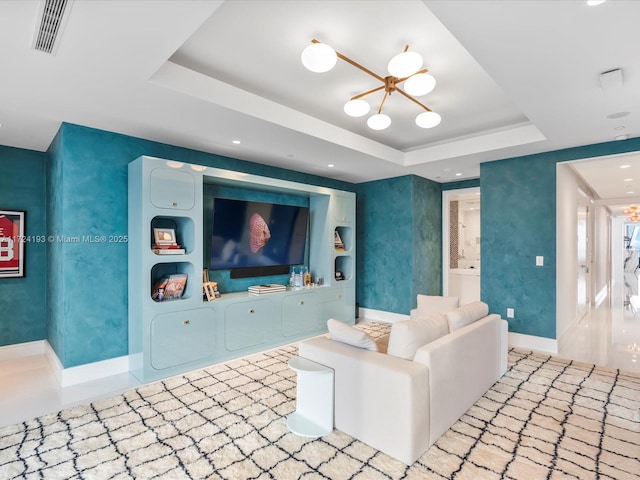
[314,399]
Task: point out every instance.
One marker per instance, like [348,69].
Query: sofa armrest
[462,367]
[379,399]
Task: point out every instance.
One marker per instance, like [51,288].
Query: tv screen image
[254,234]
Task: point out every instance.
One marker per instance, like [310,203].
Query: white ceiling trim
[198,85]
[487,141]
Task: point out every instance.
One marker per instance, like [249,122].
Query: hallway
[610,334]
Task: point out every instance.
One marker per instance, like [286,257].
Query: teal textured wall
[23,300]
[518,222]
[427,238]
[89,180]
[399,242]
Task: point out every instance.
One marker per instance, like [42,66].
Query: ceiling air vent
[52,17]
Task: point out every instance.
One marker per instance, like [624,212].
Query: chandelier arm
[424,70]
[402,92]
[384,99]
[364,94]
[354,63]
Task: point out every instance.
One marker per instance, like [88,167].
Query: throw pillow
[466,315]
[341,332]
[409,335]
[436,304]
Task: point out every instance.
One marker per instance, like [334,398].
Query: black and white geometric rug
[547,418]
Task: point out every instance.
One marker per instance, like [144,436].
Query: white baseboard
[20,350]
[540,344]
[370,315]
[85,373]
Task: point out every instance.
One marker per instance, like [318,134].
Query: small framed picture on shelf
[164,236]
[211,291]
[12,242]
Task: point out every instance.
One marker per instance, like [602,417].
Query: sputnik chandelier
[404,67]
[633,212]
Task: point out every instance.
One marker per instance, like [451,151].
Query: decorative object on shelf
[210,290]
[164,236]
[266,288]
[339,275]
[170,287]
[404,67]
[12,240]
[338,244]
[633,212]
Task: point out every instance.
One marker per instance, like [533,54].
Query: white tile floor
[609,336]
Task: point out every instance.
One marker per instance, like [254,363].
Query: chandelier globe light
[319,57]
[428,120]
[419,84]
[379,121]
[356,108]
[405,64]
[404,68]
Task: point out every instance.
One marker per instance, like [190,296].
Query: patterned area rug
[546,418]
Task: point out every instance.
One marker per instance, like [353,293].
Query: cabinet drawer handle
[251,310]
[174,204]
[186,322]
[301,302]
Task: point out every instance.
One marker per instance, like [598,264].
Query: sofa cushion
[341,332]
[435,304]
[466,315]
[409,335]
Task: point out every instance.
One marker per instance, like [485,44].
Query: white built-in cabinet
[171,337]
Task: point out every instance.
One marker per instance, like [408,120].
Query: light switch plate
[539,261]
[510,313]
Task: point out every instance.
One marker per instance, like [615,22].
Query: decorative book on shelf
[338,244]
[168,250]
[267,288]
[170,287]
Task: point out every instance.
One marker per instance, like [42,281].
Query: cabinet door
[344,209]
[302,313]
[340,304]
[172,189]
[250,323]
[182,337]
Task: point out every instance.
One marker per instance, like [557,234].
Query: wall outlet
[539,261]
[510,313]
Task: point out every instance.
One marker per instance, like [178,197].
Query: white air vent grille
[50,22]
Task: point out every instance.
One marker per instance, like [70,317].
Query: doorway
[461,244]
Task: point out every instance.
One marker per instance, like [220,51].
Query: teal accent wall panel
[427,238]
[400,242]
[518,206]
[471,183]
[88,279]
[23,300]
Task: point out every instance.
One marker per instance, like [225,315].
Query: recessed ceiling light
[622,137]
[595,3]
[236,142]
[618,115]
[331,165]
[628,179]
[625,166]
[458,174]
[630,192]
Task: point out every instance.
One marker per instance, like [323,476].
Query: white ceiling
[514,78]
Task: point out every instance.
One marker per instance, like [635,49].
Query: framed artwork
[12,242]
[164,236]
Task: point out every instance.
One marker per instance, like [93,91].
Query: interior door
[583,302]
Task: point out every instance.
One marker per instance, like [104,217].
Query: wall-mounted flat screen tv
[255,235]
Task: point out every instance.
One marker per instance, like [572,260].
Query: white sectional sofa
[401,406]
